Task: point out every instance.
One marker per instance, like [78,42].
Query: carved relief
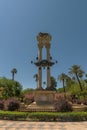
[44,39]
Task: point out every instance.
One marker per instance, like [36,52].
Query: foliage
[61,104]
[85,102]
[77,95]
[36,77]
[66,82]
[17,89]
[28,98]
[44,116]
[65,116]
[60,90]
[1,104]
[75,85]
[12,104]
[53,84]
[74,89]
[62,77]
[78,73]
[28,90]
[10,88]
[13,115]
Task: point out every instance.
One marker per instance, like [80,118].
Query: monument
[44,96]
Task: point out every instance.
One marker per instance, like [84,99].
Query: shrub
[28,98]
[12,104]
[1,104]
[85,102]
[62,105]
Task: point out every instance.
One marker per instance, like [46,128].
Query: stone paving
[25,125]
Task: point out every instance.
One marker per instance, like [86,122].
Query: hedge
[66,116]
[44,116]
[9,115]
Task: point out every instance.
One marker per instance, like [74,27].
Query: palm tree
[68,81]
[78,73]
[53,83]
[62,77]
[85,79]
[36,78]
[13,71]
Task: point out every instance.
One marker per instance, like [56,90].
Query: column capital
[44,38]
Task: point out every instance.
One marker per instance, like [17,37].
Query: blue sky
[20,23]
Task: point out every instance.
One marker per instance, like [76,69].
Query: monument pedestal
[44,98]
[44,101]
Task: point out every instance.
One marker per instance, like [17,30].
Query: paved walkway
[24,125]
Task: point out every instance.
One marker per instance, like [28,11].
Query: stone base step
[42,108]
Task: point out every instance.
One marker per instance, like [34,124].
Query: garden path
[25,125]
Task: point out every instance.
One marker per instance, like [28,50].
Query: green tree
[62,77]
[1,91]
[27,90]
[10,88]
[68,81]
[78,73]
[85,80]
[13,71]
[17,88]
[53,83]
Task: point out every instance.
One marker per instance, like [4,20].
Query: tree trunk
[12,76]
[64,86]
[79,82]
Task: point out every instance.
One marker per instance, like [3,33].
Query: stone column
[39,68]
[39,77]
[39,52]
[48,78]
[43,40]
[48,67]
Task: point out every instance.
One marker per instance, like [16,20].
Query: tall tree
[62,77]
[13,71]
[85,80]
[78,73]
[68,81]
[36,78]
[53,83]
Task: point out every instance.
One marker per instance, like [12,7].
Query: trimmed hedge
[8,115]
[44,116]
[66,116]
